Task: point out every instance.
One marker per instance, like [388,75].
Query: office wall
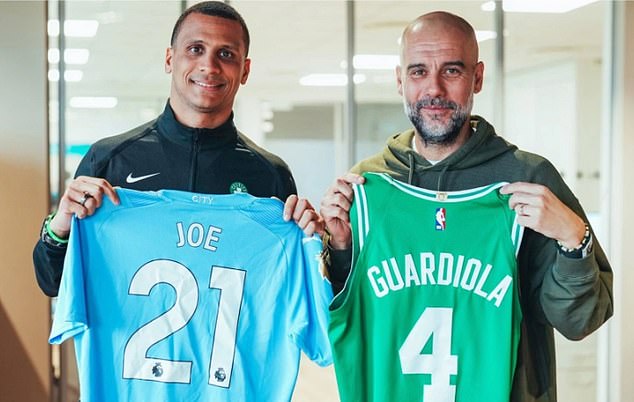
[24,314]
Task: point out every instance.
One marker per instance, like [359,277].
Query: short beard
[438,134]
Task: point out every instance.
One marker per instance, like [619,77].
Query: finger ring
[85,198]
[520,209]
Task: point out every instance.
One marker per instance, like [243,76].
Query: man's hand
[82,198]
[539,209]
[335,208]
[303,213]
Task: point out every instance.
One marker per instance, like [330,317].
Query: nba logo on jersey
[440,218]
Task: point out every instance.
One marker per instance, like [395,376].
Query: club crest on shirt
[237,187]
[441,218]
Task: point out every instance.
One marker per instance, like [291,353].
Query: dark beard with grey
[437,134]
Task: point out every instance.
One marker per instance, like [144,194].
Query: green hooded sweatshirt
[571,295]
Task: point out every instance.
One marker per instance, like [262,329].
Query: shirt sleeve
[70,318]
[311,295]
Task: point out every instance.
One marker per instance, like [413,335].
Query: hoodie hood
[403,163]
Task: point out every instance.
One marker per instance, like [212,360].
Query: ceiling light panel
[329,80]
[93,102]
[71,56]
[69,75]
[74,28]
[537,6]
[375,61]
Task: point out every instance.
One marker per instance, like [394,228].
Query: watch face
[587,249]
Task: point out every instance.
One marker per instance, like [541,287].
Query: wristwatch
[49,237]
[582,250]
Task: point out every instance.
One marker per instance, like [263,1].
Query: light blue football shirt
[177,296]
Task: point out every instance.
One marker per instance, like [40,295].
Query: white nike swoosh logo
[131,179]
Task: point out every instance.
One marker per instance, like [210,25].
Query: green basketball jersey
[430,311]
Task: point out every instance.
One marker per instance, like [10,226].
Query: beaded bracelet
[579,251]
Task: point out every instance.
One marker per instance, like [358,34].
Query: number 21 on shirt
[136,364]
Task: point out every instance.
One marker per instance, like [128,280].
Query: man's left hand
[303,213]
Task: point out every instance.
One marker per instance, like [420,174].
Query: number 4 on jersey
[434,322]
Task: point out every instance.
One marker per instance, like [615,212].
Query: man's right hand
[82,198]
[335,209]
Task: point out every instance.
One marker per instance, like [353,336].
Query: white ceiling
[294,38]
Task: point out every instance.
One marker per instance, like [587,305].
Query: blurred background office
[559,81]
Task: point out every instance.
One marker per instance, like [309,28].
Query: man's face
[437,78]
[208,64]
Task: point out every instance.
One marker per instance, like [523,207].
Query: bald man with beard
[564,280]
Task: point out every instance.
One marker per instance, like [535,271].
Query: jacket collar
[171,129]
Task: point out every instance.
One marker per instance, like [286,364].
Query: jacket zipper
[194,162]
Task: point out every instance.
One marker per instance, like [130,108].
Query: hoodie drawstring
[440,176]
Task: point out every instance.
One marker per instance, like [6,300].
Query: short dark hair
[213,9]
